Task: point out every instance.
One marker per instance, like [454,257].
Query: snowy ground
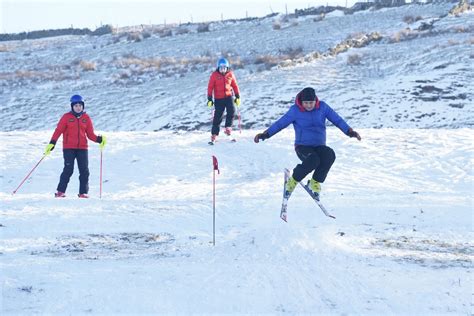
[403,197]
[401,243]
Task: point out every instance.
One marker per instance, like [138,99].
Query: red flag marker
[215,165]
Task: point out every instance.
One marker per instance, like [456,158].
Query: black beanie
[308,94]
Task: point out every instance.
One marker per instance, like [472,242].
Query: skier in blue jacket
[308,116]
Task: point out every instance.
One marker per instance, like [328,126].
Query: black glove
[99,139]
[352,133]
[261,136]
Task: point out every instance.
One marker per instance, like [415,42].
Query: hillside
[413,72]
[401,243]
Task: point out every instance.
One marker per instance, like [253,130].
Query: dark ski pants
[319,159]
[81,155]
[221,105]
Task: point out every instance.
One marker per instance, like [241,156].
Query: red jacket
[222,85]
[74,130]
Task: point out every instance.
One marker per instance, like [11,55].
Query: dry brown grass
[409,19]
[166,66]
[286,57]
[88,65]
[461,7]
[134,37]
[401,36]
[128,62]
[268,61]
[237,63]
[28,74]
[36,76]
[291,52]
[4,49]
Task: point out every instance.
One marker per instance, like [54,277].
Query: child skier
[223,85]
[75,126]
[308,116]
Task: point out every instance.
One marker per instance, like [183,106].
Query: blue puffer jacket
[310,126]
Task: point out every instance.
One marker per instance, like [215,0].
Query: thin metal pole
[29,174]
[215,164]
[214,207]
[240,124]
[100,194]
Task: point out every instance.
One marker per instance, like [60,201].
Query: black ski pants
[319,159]
[81,155]
[220,105]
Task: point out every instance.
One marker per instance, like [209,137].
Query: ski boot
[290,186]
[59,194]
[228,132]
[315,187]
[213,139]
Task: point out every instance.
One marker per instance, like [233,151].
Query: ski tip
[283,217]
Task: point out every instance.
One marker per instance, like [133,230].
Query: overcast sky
[30,15]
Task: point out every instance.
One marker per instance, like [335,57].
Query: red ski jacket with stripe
[222,85]
[75,131]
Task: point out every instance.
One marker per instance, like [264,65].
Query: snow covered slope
[418,75]
[401,243]
[402,239]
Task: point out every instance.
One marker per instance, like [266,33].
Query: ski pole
[214,207]
[29,174]
[100,192]
[240,125]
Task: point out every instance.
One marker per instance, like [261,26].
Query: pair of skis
[286,197]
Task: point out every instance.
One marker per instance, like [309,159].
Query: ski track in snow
[403,233]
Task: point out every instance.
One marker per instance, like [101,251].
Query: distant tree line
[364,5]
[106,29]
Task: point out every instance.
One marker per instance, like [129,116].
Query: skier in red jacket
[224,85]
[75,126]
